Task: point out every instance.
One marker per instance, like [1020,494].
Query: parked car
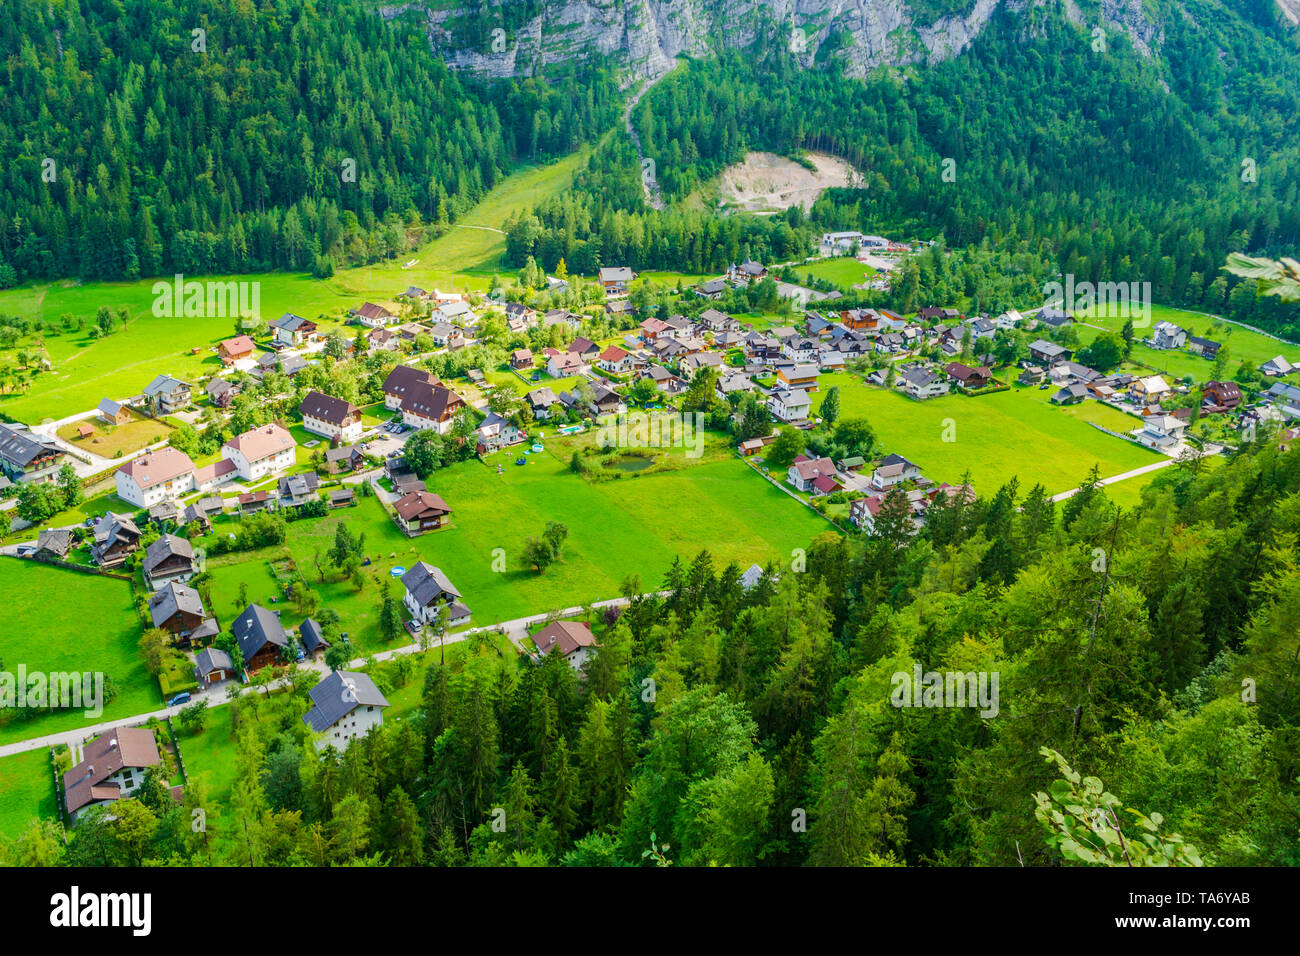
[182,698]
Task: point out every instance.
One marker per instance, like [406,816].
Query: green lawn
[26,791]
[1241,343]
[844,272]
[996,437]
[210,755]
[616,528]
[229,571]
[71,622]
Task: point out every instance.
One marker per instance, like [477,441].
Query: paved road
[1114,478]
[516,630]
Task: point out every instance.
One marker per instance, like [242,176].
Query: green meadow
[844,272]
[995,437]
[62,620]
[26,791]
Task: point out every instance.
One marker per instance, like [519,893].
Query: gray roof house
[345,705]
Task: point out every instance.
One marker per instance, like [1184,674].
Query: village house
[399,383]
[26,458]
[166,394]
[521,358]
[112,768]
[1277,367]
[814,476]
[154,476]
[616,279]
[373,316]
[297,490]
[169,558]
[333,418]
[345,706]
[798,376]
[664,380]
[113,413]
[1047,353]
[1149,389]
[690,364]
[789,405]
[732,380]
[496,433]
[1071,394]
[921,383]
[311,638]
[178,609]
[616,361]
[344,458]
[712,289]
[261,637]
[421,512]
[1206,348]
[432,406]
[260,452]
[221,392]
[1161,432]
[290,329]
[53,543]
[1009,319]
[561,317]
[1284,398]
[893,470]
[572,639]
[287,365]
[455,312]
[428,591]
[213,665]
[1218,397]
[114,538]
[563,364]
[1166,335]
[236,350]
[542,403]
[747,272]
[606,401]
[967,377]
[383,340]
[1053,317]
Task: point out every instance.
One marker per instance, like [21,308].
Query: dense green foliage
[286,136]
[1152,649]
[1058,158]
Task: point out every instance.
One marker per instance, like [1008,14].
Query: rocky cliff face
[650,34]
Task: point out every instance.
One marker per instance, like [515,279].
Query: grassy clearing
[997,437]
[70,622]
[26,791]
[84,370]
[1241,343]
[109,441]
[844,272]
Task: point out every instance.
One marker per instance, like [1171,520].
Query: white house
[1161,432]
[789,405]
[921,383]
[1166,335]
[428,591]
[260,451]
[1008,319]
[892,471]
[112,768]
[345,705]
[331,417]
[155,476]
[573,639]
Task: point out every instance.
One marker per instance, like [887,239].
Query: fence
[83,568]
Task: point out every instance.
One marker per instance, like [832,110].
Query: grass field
[26,791]
[996,437]
[68,621]
[1241,343]
[122,363]
[616,528]
[844,272]
[109,440]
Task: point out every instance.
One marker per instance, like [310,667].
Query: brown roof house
[115,538]
[968,377]
[233,350]
[573,639]
[170,558]
[178,609]
[261,637]
[112,768]
[431,406]
[334,418]
[400,383]
[421,512]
